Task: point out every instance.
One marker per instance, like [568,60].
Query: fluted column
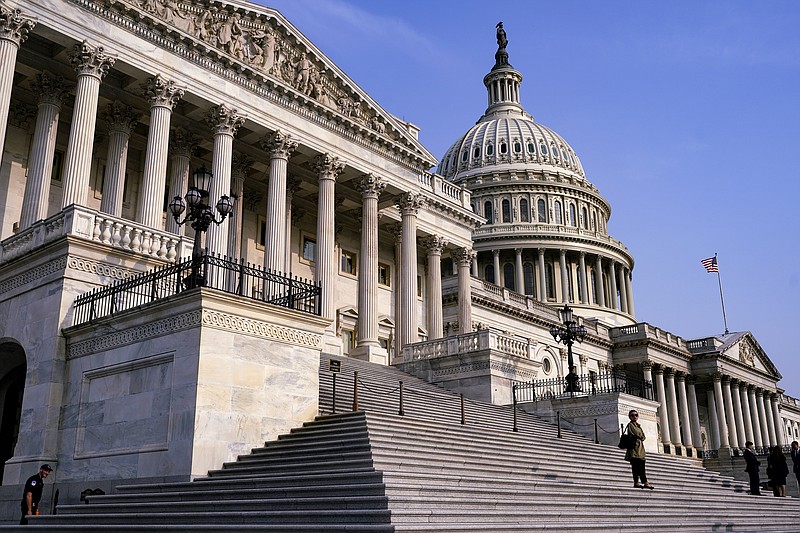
[224,122]
[280,147]
[737,414]
[498,278]
[613,298]
[629,292]
[694,414]
[182,145]
[409,205]
[713,421]
[162,94]
[520,281]
[746,410]
[598,282]
[768,422]
[647,371]
[758,436]
[92,65]
[584,285]
[729,414]
[672,405]
[397,232]
[240,167]
[475,265]
[662,405]
[434,246]
[367,345]
[683,404]
[292,186]
[776,416]
[562,261]
[463,257]
[542,277]
[328,167]
[623,289]
[719,400]
[14,29]
[51,90]
[121,120]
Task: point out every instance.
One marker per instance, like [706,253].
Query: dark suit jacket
[752,461]
[796,460]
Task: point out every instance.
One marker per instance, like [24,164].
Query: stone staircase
[373,470]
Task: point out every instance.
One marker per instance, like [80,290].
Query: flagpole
[721,298]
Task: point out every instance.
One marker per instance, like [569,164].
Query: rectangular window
[384,275]
[309,249]
[419,286]
[384,343]
[58,166]
[348,341]
[348,262]
[262,232]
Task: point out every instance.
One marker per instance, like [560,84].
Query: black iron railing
[243,279]
[587,384]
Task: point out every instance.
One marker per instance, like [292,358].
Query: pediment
[747,351]
[259,42]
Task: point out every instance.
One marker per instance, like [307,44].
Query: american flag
[710,264]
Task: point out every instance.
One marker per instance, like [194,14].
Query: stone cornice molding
[328,166]
[370,185]
[161,92]
[120,117]
[224,120]
[182,143]
[259,328]
[50,89]
[88,60]
[279,145]
[13,26]
[33,275]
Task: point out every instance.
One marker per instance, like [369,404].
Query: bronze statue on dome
[501,56]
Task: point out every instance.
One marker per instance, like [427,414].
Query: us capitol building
[149,337]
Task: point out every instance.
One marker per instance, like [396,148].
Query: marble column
[292,186]
[737,414]
[162,94]
[542,277]
[683,404]
[647,372]
[498,280]
[224,122]
[746,410]
[397,232]
[672,405]
[662,407]
[475,265]
[520,281]
[713,421]
[613,298]
[14,29]
[327,167]
[52,91]
[629,291]
[434,246]
[92,64]
[769,422]
[722,422]
[623,290]
[598,282]
[694,414]
[463,257]
[729,413]
[240,167]
[776,416]
[584,285]
[409,205]
[121,120]
[280,147]
[758,437]
[562,262]
[368,347]
[182,145]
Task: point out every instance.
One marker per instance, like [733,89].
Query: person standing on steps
[777,471]
[32,493]
[636,455]
[796,460]
[752,463]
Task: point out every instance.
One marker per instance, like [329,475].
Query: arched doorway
[13,369]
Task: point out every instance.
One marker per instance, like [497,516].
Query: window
[503,148]
[58,166]
[524,212]
[489,149]
[531,147]
[557,210]
[349,262]
[541,209]
[508,277]
[384,274]
[572,221]
[594,222]
[476,152]
[543,148]
[584,218]
[309,249]
[384,343]
[506,211]
[547,366]
[517,147]
[464,156]
[487,212]
[348,340]
[527,277]
[488,273]
[550,281]
[419,286]
[593,288]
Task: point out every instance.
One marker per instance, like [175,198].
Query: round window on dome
[489,149]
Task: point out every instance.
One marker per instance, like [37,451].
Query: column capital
[396,230]
[90,60]
[50,88]
[541,251]
[225,120]
[279,144]
[658,369]
[518,251]
[691,379]
[328,166]
[370,185]
[410,203]
[583,359]
[20,115]
[120,117]
[646,365]
[670,373]
[434,244]
[13,26]
[161,92]
[182,142]
[297,215]
[496,253]
[463,256]
[726,380]
[680,377]
[240,165]
[716,376]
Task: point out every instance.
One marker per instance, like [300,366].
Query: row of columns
[737,412]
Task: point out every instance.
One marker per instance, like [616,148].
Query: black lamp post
[571,331]
[201,215]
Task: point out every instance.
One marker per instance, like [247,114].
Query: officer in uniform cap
[33,493]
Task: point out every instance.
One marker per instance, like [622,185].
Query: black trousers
[755,483]
[637,467]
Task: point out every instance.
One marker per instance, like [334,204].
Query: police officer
[33,493]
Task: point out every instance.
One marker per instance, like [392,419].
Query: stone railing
[496,292]
[643,330]
[487,339]
[501,229]
[88,224]
[439,186]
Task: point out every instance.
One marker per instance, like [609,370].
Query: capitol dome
[546,231]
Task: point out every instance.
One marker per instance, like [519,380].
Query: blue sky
[686,116]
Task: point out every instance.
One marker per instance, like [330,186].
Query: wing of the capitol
[197,207]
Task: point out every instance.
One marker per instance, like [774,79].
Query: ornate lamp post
[571,331]
[201,215]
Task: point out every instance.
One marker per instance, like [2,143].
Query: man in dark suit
[796,460]
[752,468]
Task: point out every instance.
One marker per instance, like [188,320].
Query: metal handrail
[587,385]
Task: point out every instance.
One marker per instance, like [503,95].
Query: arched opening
[508,277]
[488,273]
[13,369]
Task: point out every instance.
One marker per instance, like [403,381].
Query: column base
[371,353]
